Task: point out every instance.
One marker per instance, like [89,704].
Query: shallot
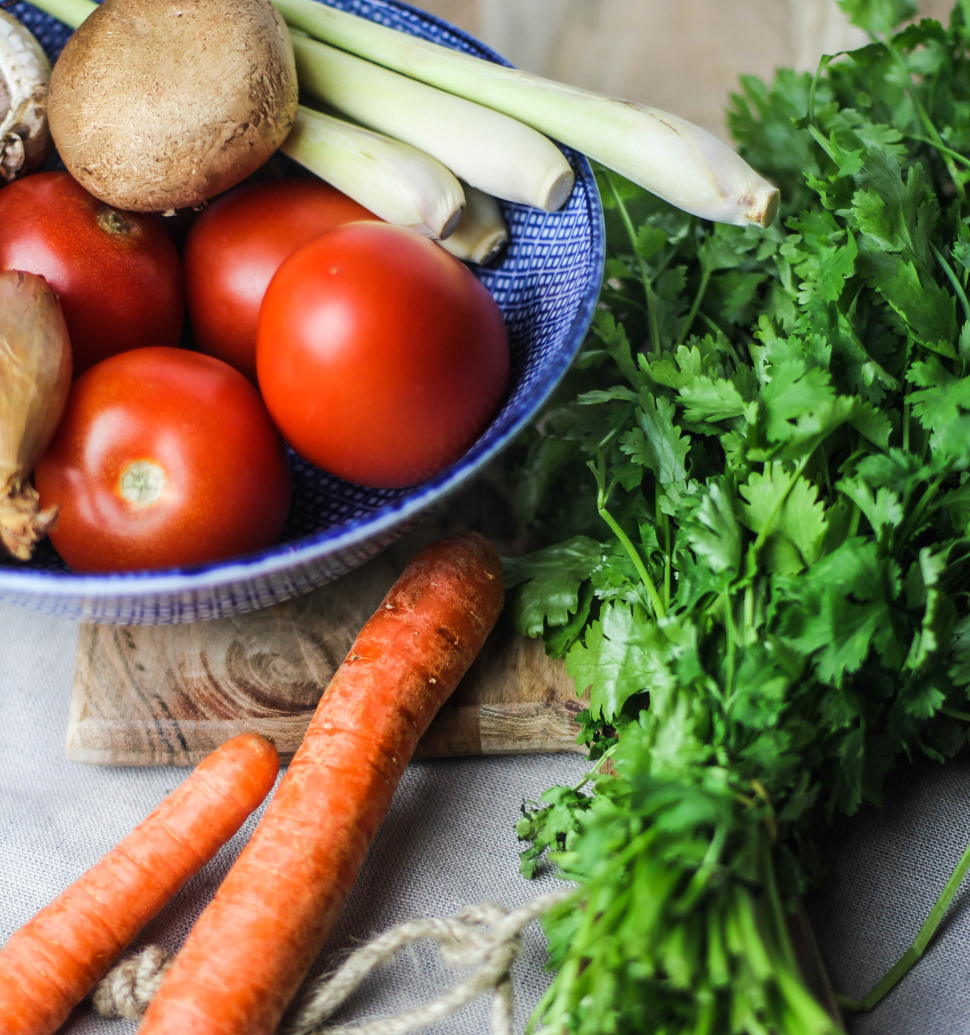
[35,379]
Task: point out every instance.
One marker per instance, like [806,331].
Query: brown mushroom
[161,104]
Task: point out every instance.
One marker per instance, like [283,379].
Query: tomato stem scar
[143,483]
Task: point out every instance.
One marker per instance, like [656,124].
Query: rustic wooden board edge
[123,712]
[553,728]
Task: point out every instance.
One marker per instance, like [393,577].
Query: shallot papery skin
[35,379]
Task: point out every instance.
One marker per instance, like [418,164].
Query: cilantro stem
[777,911]
[644,272]
[917,512]
[905,962]
[692,315]
[823,63]
[699,880]
[953,279]
[719,330]
[954,714]
[668,559]
[627,545]
[602,496]
[731,636]
[941,147]
[665,262]
[596,768]
[616,296]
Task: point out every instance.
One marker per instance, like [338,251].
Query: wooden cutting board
[168,695]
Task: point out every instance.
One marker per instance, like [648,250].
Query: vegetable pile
[379,358]
[756,483]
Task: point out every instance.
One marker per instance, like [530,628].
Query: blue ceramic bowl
[546,286]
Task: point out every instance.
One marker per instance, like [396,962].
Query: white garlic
[25,72]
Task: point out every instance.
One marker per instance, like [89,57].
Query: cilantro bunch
[755,481]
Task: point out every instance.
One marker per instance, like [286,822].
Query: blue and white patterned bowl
[546,286]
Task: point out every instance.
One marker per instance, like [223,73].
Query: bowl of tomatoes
[546,287]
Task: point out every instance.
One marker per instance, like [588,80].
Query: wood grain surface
[168,695]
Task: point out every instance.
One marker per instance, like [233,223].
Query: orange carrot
[247,954]
[52,962]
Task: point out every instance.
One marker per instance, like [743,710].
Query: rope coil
[484,938]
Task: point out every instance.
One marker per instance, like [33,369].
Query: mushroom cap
[162,104]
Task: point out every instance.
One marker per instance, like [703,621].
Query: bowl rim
[281,558]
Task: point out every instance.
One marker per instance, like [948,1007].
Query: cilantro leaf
[657,443]
[622,655]
[547,583]
[781,505]
[879,17]
[713,533]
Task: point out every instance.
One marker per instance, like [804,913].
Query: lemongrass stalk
[394,180]
[486,149]
[666,155]
[71,12]
[482,233]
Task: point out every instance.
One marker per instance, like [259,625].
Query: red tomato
[236,246]
[381,358]
[164,457]
[117,274]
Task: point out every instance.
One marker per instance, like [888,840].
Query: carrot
[247,954]
[52,962]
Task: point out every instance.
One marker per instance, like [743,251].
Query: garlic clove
[25,72]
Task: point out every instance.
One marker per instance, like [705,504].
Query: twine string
[127,989]
[484,938]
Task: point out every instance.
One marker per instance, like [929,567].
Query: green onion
[488,150]
[395,181]
[482,233]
